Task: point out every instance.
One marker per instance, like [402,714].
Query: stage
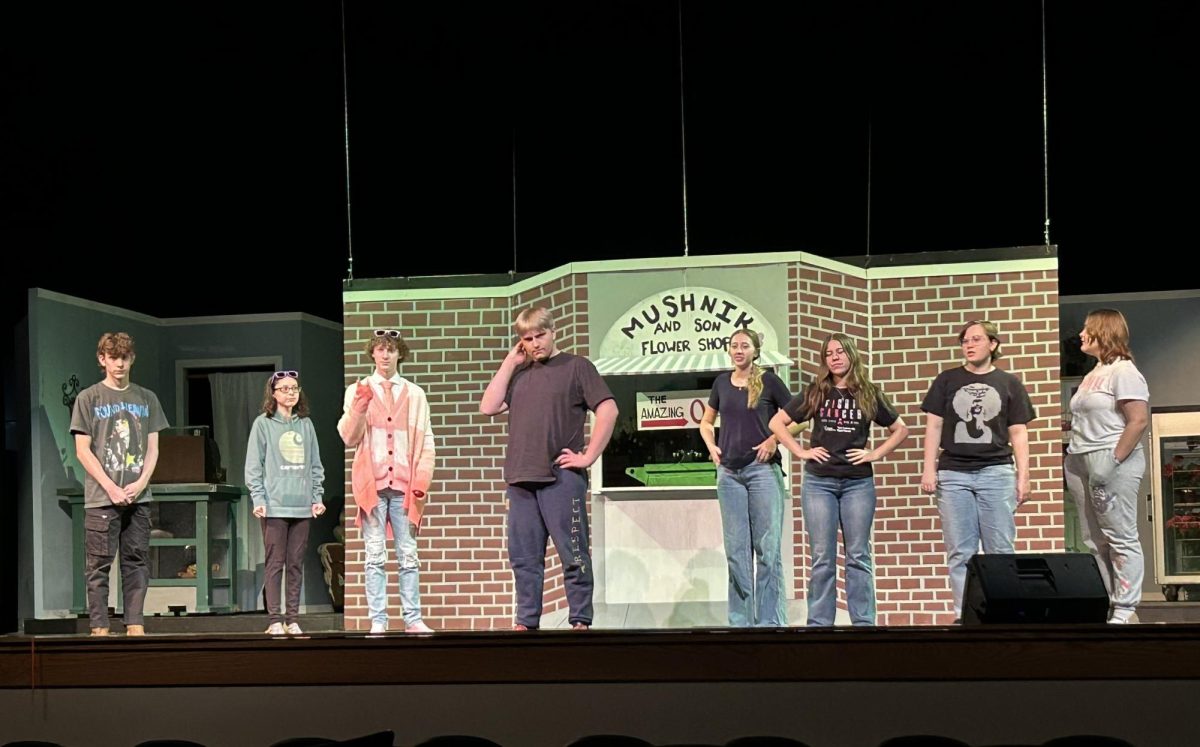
[841,686]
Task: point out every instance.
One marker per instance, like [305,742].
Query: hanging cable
[1045,140]
[346,136]
[682,130]
[868,188]
[513,271]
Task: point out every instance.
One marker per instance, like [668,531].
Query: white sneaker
[378,628]
[294,629]
[1123,617]
[418,627]
[276,629]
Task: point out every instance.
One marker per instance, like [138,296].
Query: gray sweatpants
[1108,520]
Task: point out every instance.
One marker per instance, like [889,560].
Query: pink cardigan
[410,411]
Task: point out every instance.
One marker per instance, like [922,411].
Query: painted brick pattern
[456,345]
[824,302]
[907,328]
[915,325]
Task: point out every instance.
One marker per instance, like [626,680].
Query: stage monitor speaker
[1042,588]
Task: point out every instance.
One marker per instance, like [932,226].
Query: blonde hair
[533,318]
[754,385]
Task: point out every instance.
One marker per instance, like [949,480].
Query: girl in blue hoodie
[284,476]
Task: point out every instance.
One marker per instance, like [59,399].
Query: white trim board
[717,260]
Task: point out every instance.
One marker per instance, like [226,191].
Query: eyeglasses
[973,340]
[392,333]
[284,375]
[287,389]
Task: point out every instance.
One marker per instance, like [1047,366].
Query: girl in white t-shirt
[1105,460]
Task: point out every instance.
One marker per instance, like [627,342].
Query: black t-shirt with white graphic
[977,410]
[839,424]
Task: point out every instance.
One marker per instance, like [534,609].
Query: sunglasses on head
[392,333]
[284,375]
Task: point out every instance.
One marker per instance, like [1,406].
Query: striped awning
[679,363]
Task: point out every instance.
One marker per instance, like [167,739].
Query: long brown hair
[1110,332]
[754,385]
[269,404]
[857,381]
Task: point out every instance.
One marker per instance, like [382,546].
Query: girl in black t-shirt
[839,486]
[976,453]
[749,483]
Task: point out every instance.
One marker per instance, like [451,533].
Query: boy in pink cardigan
[385,419]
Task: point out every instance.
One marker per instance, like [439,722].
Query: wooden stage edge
[918,654]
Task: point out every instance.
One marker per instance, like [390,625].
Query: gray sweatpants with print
[1108,519]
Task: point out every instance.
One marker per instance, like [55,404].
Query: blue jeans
[976,506]
[849,503]
[751,501]
[391,506]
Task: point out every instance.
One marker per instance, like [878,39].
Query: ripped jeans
[374,533]
[1108,522]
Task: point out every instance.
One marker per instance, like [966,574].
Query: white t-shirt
[1096,421]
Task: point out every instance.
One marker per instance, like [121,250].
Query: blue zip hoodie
[283,466]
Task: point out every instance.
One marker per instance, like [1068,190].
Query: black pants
[286,541]
[105,529]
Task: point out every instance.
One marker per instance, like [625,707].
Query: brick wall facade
[907,327]
[456,346]
[915,323]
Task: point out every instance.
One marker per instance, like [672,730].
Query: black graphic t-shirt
[839,424]
[120,423]
[977,410]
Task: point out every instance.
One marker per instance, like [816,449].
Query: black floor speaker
[1042,588]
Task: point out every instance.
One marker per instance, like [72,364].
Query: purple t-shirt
[548,403]
[742,428]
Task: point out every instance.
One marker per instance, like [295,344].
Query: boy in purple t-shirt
[548,394]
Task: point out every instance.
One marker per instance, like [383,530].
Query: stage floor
[255,623]
[988,652]
[248,623]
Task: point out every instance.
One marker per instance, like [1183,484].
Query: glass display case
[1175,465]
